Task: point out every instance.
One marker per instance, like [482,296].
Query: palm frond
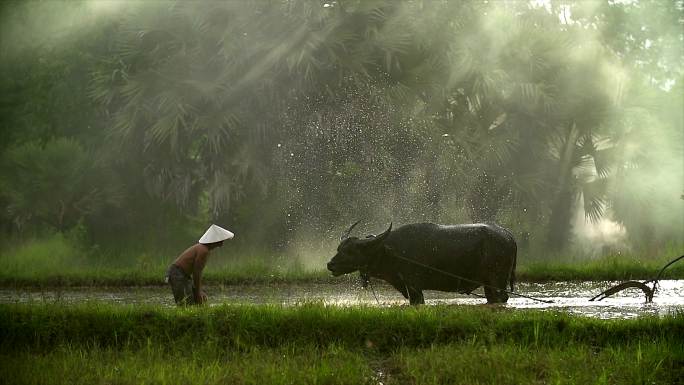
[595,202]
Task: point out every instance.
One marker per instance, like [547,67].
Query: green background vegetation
[127,127]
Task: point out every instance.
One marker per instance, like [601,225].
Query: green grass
[316,344]
[237,326]
[154,365]
[471,363]
[109,276]
[611,267]
[41,257]
[55,262]
[608,268]
[514,364]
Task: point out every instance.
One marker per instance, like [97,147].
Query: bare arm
[200,261]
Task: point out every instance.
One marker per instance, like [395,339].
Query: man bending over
[185,273]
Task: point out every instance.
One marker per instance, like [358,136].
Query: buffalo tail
[515,259]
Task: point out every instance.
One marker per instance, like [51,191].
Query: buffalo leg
[495,290]
[415,296]
[401,288]
[495,296]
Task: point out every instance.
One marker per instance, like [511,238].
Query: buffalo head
[354,253]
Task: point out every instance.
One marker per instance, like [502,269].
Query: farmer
[185,273]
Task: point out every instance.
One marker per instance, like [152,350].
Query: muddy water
[572,297]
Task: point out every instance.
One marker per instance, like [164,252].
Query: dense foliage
[288,120]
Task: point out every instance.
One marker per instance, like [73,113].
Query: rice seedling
[237,327]
[314,344]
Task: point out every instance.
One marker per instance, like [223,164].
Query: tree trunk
[559,223]
[561,209]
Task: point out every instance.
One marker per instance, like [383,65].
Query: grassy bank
[238,326]
[260,271]
[87,344]
[607,268]
[112,277]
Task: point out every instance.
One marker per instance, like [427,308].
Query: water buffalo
[426,256]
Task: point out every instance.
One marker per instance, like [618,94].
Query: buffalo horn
[371,242]
[386,233]
[346,235]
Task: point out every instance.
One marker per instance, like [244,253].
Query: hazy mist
[286,121]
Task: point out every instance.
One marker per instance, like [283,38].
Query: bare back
[193,259]
[192,262]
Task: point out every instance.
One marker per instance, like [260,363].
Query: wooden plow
[649,292]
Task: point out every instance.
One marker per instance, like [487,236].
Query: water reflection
[572,297]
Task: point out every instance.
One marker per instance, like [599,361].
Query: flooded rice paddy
[571,297]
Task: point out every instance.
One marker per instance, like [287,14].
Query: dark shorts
[181,285]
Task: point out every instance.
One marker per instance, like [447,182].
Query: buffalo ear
[378,240]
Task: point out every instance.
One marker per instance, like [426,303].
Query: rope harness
[469,280]
[457,277]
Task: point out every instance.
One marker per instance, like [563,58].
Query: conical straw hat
[215,234]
